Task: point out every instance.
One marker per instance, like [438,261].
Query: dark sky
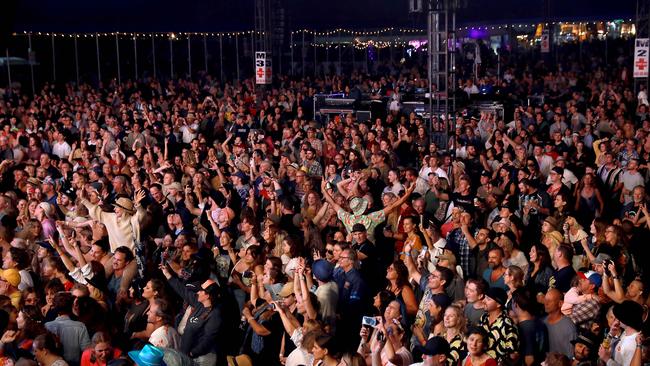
[221,15]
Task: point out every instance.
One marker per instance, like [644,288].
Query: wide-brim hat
[629,313]
[507,223]
[585,338]
[241,360]
[148,356]
[358,206]
[125,204]
[48,209]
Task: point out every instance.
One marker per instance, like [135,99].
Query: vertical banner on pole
[99,65]
[76,58]
[117,52]
[31,56]
[153,55]
[546,42]
[641,53]
[263,68]
[135,56]
[53,60]
[189,55]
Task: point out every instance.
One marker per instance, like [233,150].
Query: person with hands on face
[630,315]
[263,336]
[204,324]
[388,348]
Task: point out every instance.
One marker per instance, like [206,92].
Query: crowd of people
[200,222]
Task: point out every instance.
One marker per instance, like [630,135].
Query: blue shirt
[500,282]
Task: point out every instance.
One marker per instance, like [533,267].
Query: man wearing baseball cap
[434,352]
[585,307]
[503,341]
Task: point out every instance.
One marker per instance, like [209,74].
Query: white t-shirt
[165,336]
[62,150]
[625,349]
[186,132]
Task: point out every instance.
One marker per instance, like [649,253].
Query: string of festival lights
[333,32]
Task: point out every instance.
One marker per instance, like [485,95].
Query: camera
[247,274]
[369,321]
[381,337]
[606,264]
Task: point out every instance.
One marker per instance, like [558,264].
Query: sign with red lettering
[641,57]
[262,68]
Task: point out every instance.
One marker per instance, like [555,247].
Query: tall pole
[205,53]
[99,65]
[237,53]
[53,60]
[117,52]
[189,55]
[353,55]
[291,48]
[304,54]
[171,58]
[8,69]
[135,56]
[221,56]
[340,46]
[31,61]
[153,54]
[315,56]
[76,58]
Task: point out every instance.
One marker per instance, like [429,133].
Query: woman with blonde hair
[455,327]
[577,238]
[311,205]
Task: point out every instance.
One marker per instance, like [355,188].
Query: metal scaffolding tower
[642,27]
[262,35]
[441,30]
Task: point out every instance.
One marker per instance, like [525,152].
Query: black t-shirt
[464,201]
[533,337]
[370,264]
[562,278]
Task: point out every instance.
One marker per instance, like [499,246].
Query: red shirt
[87,355]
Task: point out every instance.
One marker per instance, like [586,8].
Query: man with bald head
[561,329]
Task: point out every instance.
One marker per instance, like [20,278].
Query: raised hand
[140,196]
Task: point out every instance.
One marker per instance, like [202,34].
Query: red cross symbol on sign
[641,64]
[260,72]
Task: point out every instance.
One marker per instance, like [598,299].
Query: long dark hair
[33,322]
[402,273]
[543,255]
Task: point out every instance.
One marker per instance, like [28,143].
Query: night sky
[221,15]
